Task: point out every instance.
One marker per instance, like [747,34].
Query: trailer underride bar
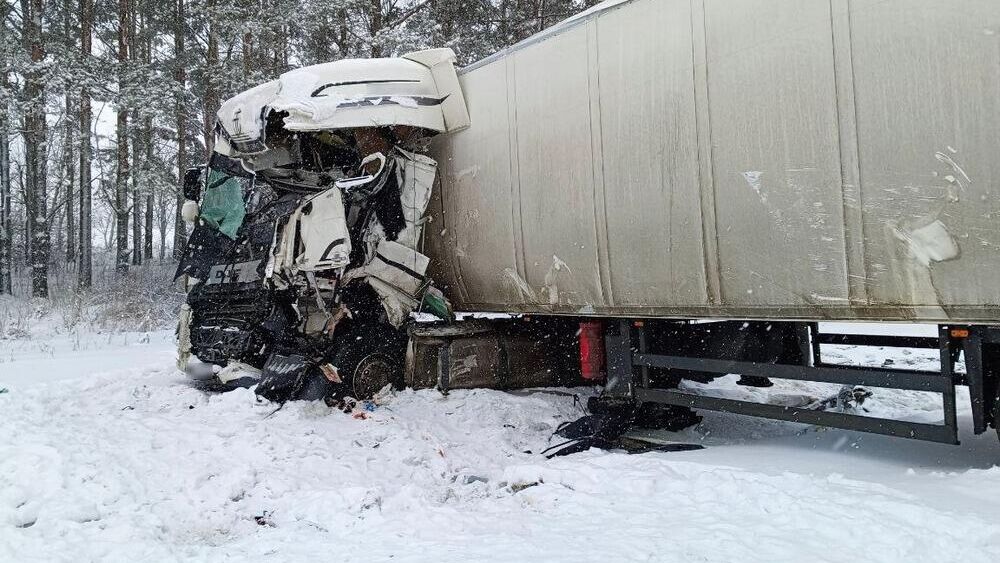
[627,350]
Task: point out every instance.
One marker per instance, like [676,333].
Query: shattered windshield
[223,207]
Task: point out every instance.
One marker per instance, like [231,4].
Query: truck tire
[368,357]
[373,372]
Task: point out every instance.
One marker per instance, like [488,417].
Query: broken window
[223,207]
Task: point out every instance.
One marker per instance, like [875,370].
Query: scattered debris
[604,429]
[847,398]
[265,519]
[518,487]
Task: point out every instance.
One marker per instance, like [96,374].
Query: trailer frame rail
[629,362]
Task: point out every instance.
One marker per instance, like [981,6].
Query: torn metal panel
[315,237]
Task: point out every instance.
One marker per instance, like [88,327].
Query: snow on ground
[107,454]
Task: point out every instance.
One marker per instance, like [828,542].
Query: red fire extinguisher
[592,363]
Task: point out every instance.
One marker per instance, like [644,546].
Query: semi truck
[648,192]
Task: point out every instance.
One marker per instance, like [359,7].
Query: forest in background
[104,103]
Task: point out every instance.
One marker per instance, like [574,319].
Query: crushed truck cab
[304,261]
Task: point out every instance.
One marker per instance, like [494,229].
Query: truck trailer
[653,191]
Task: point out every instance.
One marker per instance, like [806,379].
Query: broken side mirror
[192,183]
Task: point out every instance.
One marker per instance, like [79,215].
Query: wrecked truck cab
[304,281]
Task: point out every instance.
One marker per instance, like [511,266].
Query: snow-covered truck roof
[419,89]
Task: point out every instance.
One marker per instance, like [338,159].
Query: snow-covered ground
[107,454]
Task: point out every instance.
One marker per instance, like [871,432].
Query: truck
[649,192]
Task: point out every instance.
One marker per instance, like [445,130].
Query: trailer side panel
[784,159]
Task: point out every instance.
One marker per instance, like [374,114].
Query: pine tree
[85,268]
[122,170]
[6,266]
[69,142]
[6,97]
[180,120]
[35,133]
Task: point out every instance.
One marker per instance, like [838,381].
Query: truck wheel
[370,357]
[364,373]
[373,373]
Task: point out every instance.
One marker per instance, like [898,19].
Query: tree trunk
[138,176]
[85,269]
[147,142]
[375,26]
[70,141]
[211,84]
[121,130]
[163,201]
[68,162]
[35,134]
[138,170]
[6,269]
[248,65]
[147,243]
[6,231]
[180,77]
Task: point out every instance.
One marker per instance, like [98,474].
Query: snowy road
[106,454]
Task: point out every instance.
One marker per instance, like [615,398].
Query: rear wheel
[373,373]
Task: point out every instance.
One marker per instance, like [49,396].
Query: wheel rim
[372,374]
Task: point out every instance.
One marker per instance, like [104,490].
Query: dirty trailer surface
[760,159]
[137,465]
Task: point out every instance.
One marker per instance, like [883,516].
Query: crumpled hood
[420,89]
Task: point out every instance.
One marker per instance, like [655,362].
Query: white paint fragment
[463,365]
[959,178]
[552,279]
[752,178]
[930,243]
[514,283]
[405,101]
[817,298]
[471,172]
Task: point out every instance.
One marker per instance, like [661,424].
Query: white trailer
[741,159]
[652,162]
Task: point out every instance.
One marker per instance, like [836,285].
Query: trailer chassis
[629,360]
